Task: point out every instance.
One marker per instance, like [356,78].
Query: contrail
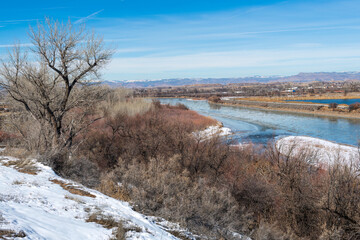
[81,20]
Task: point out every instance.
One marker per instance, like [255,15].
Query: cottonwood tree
[54,80]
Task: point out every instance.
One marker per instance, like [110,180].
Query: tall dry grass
[119,101]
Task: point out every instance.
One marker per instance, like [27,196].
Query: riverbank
[262,125]
[326,152]
[308,109]
[308,97]
[213,131]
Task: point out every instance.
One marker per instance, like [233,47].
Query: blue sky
[215,38]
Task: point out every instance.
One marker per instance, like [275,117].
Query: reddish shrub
[5,137]
[354,106]
[333,105]
[214,99]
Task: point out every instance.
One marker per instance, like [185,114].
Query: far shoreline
[294,111]
[328,114]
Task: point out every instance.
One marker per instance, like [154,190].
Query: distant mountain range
[301,77]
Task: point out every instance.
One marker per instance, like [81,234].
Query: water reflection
[214,106]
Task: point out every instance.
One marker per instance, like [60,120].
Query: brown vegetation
[354,106]
[72,189]
[57,89]
[209,187]
[23,166]
[11,234]
[152,160]
[107,222]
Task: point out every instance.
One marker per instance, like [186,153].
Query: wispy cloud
[54,8]
[84,19]
[18,20]
[253,33]
[240,62]
[134,50]
[13,45]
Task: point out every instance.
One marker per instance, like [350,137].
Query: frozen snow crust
[44,210]
[326,152]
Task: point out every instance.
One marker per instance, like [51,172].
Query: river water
[261,126]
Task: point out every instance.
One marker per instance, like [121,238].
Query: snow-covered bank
[212,131]
[42,209]
[324,151]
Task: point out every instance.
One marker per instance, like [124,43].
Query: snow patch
[44,210]
[213,131]
[190,99]
[326,152]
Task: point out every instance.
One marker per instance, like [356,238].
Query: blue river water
[327,101]
[261,126]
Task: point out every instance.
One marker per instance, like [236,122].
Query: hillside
[35,203]
[301,77]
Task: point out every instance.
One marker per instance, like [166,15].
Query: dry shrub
[109,187]
[267,231]
[107,222]
[301,187]
[119,101]
[214,99]
[6,137]
[81,170]
[23,165]
[256,194]
[334,233]
[333,105]
[183,116]
[72,188]
[68,165]
[182,106]
[11,234]
[139,151]
[16,152]
[75,199]
[17,182]
[119,233]
[341,201]
[354,106]
[162,188]
[26,132]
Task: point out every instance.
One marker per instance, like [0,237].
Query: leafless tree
[55,79]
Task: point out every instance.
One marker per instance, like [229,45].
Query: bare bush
[354,106]
[119,101]
[54,85]
[333,105]
[342,201]
[214,99]
[267,231]
[158,188]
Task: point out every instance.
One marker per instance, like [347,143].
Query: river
[260,126]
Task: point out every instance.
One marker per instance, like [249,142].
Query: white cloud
[260,60]
[84,19]
[306,45]
[13,45]
[133,50]
[18,20]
